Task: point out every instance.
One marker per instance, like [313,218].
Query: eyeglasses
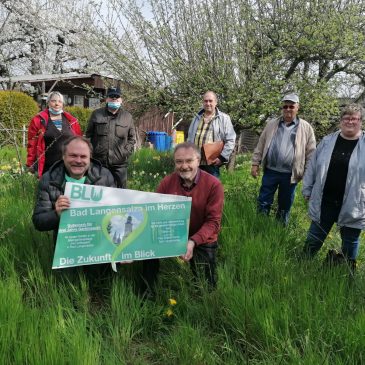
[114,96]
[189,161]
[349,119]
[288,107]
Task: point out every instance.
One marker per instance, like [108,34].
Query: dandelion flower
[172,301]
[169,313]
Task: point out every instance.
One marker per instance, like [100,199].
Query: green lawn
[269,307]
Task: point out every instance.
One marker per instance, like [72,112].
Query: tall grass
[270,306]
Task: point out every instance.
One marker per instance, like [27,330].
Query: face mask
[114,105]
[55,112]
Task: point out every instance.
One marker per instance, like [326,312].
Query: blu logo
[85,192]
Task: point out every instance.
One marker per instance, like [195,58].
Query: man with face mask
[112,134]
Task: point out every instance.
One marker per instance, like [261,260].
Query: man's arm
[229,138]
[310,146]
[131,140]
[45,216]
[213,215]
[259,150]
[192,130]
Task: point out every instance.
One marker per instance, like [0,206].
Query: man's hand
[189,251]
[62,203]
[217,162]
[255,171]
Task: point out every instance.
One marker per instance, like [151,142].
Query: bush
[82,115]
[16,110]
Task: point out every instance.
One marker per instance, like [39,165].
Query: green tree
[249,52]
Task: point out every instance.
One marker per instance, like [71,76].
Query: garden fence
[9,136]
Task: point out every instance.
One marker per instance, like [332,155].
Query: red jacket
[36,146]
[206,208]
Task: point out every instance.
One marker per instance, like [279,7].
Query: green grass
[269,307]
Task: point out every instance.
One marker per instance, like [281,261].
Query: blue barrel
[168,142]
[160,141]
[151,137]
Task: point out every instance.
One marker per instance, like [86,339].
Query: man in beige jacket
[284,149]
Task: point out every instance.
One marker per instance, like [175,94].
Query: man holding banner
[76,166]
[207,196]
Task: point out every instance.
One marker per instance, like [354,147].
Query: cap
[294,98]
[113,91]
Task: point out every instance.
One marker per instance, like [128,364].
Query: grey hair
[351,109]
[188,145]
[55,93]
[212,92]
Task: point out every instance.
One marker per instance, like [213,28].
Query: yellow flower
[156,158]
[169,313]
[172,301]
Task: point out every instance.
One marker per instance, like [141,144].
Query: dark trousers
[203,263]
[271,181]
[120,175]
[318,232]
[211,169]
[99,278]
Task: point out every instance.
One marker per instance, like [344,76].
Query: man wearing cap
[284,149]
[112,134]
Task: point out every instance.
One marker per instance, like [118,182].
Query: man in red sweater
[207,196]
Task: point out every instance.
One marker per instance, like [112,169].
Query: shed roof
[49,77]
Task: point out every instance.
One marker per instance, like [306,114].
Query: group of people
[333,177]
[286,152]
[100,158]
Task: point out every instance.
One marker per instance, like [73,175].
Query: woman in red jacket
[47,132]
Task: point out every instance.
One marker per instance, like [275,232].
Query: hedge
[82,115]
[16,110]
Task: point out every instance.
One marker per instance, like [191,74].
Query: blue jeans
[211,169]
[271,181]
[318,232]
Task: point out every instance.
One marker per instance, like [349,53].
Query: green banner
[106,225]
